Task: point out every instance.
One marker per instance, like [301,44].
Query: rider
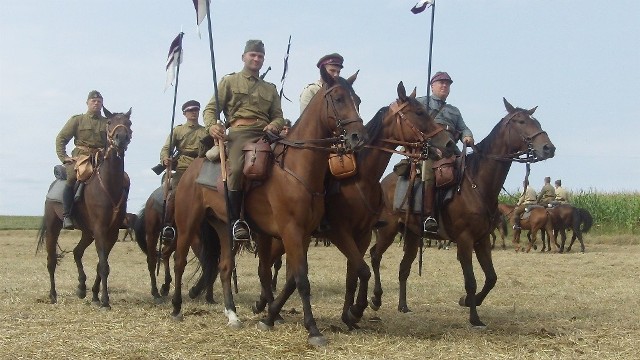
[451,119]
[186,140]
[333,64]
[562,196]
[251,107]
[527,198]
[547,194]
[89,131]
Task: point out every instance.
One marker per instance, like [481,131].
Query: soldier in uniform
[333,64]
[251,107]
[527,198]
[547,194]
[186,140]
[89,133]
[562,196]
[450,118]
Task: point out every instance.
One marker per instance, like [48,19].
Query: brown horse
[147,230]
[565,216]
[99,214]
[353,210]
[288,205]
[127,225]
[500,226]
[537,219]
[468,218]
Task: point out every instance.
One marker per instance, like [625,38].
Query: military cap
[441,75]
[190,105]
[559,182]
[331,59]
[547,179]
[255,46]
[93,94]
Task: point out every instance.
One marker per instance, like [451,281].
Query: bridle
[112,144]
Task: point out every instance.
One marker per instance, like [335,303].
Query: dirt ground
[544,306]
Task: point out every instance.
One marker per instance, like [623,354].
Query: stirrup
[430,225]
[516,227]
[240,231]
[168,234]
[67,223]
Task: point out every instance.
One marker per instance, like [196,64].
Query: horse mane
[374,128]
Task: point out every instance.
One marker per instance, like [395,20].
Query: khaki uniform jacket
[562,195]
[186,138]
[244,96]
[308,93]
[528,197]
[547,194]
[449,116]
[86,130]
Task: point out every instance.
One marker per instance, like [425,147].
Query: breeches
[71,173]
[518,211]
[237,139]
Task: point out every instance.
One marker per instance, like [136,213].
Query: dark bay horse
[128,224]
[288,205]
[355,208]
[99,214]
[565,216]
[538,219]
[468,218]
[147,230]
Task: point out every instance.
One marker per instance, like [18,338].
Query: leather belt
[241,121]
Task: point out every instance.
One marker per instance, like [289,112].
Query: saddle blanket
[55,190]
[402,187]
[209,174]
[158,198]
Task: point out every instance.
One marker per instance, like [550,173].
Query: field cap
[547,179]
[441,75]
[331,59]
[255,46]
[93,94]
[191,105]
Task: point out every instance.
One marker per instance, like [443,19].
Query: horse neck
[111,172]
[372,163]
[489,173]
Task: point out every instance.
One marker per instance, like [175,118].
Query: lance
[168,173]
[285,70]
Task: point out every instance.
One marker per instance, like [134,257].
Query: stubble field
[544,306]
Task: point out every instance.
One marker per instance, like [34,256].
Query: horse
[500,225]
[565,216]
[147,229]
[99,214]
[128,224]
[538,219]
[468,218]
[353,210]
[288,204]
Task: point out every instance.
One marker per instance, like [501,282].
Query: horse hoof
[262,326]
[81,293]
[404,309]
[317,341]
[105,308]
[279,320]
[234,324]
[462,301]
[177,317]
[353,319]
[375,304]
[158,300]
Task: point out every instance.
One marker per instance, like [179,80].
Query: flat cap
[190,105]
[93,94]
[441,75]
[331,59]
[254,45]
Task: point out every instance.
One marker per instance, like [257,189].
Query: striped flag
[201,10]
[420,6]
[175,55]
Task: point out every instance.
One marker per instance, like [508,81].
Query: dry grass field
[545,306]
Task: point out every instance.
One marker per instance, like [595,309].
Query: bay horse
[566,216]
[538,219]
[288,204]
[99,214]
[147,228]
[468,218]
[127,225]
[354,209]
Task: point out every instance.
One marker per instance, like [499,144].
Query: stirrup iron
[168,234]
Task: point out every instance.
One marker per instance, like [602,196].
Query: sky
[578,61]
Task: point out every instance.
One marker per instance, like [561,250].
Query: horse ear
[351,79]
[402,93]
[531,111]
[413,93]
[128,114]
[107,113]
[508,106]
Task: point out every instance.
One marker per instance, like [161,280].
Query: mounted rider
[527,198]
[89,131]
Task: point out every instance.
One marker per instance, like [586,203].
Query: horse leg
[384,239]
[52,232]
[411,244]
[185,234]
[226,265]
[166,257]
[78,252]
[152,256]
[483,254]
[516,240]
[277,265]
[104,244]
[267,248]
[465,251]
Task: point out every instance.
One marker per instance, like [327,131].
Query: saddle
[527,211]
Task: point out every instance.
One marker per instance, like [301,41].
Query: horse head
[525,135]
[118,130]
[341,110]
[416,126]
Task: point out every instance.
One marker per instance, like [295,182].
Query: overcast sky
[578,61]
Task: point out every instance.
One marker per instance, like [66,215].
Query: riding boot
[430,222]
[516,222]
[67,204]
[240,229]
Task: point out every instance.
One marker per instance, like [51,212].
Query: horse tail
[41,234]
[210,254]
[586,219]
[140,232]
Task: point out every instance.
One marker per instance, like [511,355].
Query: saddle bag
[84,167]
[445,171]
[258,159]
[342,166]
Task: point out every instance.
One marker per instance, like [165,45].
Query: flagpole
[284,71]
[223,155]
[168,172]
